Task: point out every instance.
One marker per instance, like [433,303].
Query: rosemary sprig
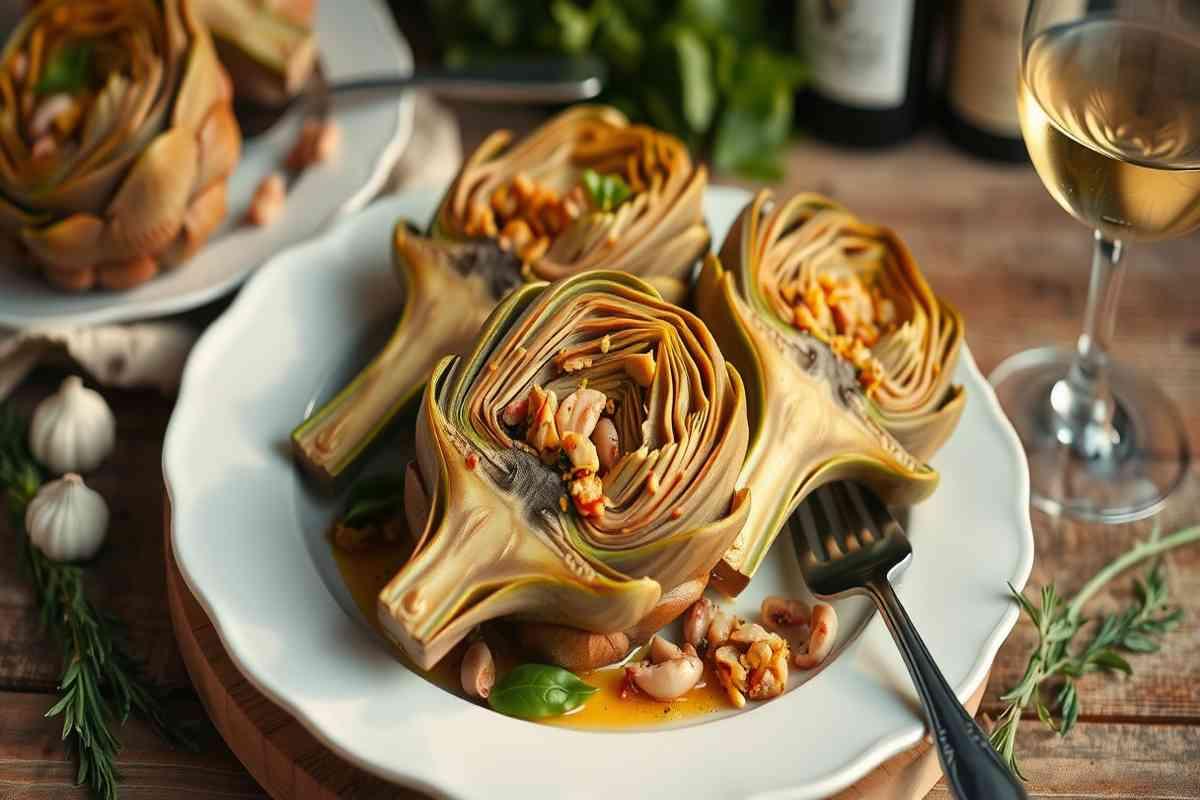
[1136,629]
[101,683]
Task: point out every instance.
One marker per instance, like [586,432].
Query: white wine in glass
[1109,102]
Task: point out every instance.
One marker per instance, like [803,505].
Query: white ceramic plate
[249,540]
[356,37]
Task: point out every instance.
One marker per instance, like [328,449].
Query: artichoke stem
[486,560]
[442,313]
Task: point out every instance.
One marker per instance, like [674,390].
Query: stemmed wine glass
[1109,101]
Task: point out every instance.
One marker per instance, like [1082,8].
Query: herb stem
[1140,552]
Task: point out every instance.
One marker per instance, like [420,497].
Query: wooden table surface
[992,241]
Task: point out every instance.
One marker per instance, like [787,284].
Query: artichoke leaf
[507,534]
[449,289]
[490,551]
[517,213]
[810,424]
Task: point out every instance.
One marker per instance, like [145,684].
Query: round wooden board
[291,764]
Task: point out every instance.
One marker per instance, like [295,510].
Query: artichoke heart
[580,463]
[117,139]
[586,191]
[847,355]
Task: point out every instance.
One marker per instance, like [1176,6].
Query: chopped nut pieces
[319,141]
[848,315]
[750,661]
[562,434]
[669,674]
[268,200]
[356,540]
[478,671]
[526,216]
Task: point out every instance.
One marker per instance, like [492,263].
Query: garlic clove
[73,430]
[66,520]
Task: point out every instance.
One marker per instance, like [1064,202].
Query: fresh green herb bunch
[716,73]
[101,684]
[1054,664]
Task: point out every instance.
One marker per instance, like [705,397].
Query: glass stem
[1083,401]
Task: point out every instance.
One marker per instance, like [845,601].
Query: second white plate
[356,37]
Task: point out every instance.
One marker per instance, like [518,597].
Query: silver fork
[849,543]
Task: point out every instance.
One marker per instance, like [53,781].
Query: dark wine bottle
[980,109]
[869,61]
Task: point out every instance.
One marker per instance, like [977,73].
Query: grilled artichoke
[847,356]
[579,464]
[116,139]
[585,191]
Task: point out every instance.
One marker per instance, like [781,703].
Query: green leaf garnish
[67,70]
[606,191]
[372,498]
[538,691]
[1137,629]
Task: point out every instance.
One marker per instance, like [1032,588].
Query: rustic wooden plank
[32,765]
[1164,686]
[127,579]
[1107,760]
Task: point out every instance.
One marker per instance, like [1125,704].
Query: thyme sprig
[1139,628]
[101,683]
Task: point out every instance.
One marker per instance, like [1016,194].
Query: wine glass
[1109,102]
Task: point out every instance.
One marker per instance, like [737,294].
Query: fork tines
[840,518]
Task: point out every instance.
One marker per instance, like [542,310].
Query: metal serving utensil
[849,543]
[542,82]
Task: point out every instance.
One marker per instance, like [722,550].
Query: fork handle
[972,767]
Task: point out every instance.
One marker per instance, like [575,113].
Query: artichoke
[578,464]
[268,46]
[847,356]
[585,191]
[116,139]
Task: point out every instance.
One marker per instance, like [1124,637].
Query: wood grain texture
[1109,760]
[32,765]
[992,241]
[125,580]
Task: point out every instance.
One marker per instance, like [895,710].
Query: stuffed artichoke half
[847,355]
[585,191]
[577,465]
[116,139]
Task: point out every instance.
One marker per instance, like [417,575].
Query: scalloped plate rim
[315,715]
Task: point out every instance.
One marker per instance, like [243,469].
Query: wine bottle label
[858,50]
[987,57]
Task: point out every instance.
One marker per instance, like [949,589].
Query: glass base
[1129,480]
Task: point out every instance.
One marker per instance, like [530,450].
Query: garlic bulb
[67,521]
[73,430]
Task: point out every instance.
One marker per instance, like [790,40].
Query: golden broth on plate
[366,572]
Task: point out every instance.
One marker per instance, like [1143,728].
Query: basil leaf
[537,691]
[373,497]
[67,70]
[607,191]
